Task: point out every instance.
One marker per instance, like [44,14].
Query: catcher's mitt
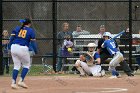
[89,58]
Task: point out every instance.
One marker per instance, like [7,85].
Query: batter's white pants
[95,70]
[115,61]
[20,55]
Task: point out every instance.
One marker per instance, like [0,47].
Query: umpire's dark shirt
[124,39]
[103,50]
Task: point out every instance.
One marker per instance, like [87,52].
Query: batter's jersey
[111,46]
[23,36]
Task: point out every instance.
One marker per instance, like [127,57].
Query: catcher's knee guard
[77,63]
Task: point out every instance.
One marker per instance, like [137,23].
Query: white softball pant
[95,70]
[20,55]
[115,61]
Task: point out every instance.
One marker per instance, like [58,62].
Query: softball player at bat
[19,42]
[114,51]
[92,68]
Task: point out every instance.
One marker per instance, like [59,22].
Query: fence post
[130,33]
[54,11]
[1,55]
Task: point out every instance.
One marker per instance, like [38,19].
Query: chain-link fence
[48,18]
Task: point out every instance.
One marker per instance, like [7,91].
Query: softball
[70,49]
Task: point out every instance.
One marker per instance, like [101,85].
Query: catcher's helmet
[107,34]
[91,45]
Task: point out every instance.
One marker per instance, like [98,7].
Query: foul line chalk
[107,90]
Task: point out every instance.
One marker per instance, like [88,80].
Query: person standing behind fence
[6,58]
[79,31]
[124,38]
[136,41]
[66,50]
[60,36]
[20,39]
[101,32]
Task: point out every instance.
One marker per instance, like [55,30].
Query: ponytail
[24,22]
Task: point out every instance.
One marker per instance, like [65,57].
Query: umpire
[5,51]
[104,54]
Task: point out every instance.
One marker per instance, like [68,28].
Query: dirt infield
[74,84]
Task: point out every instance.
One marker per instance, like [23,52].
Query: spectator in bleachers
[102,30]
[60,36]
[79,31]
[6,58]
[124,38]
[136,41]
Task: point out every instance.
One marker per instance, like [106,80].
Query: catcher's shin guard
[82,72]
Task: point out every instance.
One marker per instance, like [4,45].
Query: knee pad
[77,63]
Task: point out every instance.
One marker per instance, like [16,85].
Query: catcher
[89,63]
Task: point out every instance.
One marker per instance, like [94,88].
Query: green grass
[36,70]
[39,70]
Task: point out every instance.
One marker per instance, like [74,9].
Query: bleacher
[82,41]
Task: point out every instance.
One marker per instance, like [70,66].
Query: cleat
[112,77]
[82,75]
[130,74]
[22,84]
[14,86]
[119,76]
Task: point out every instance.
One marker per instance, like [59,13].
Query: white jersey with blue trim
[111,46]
